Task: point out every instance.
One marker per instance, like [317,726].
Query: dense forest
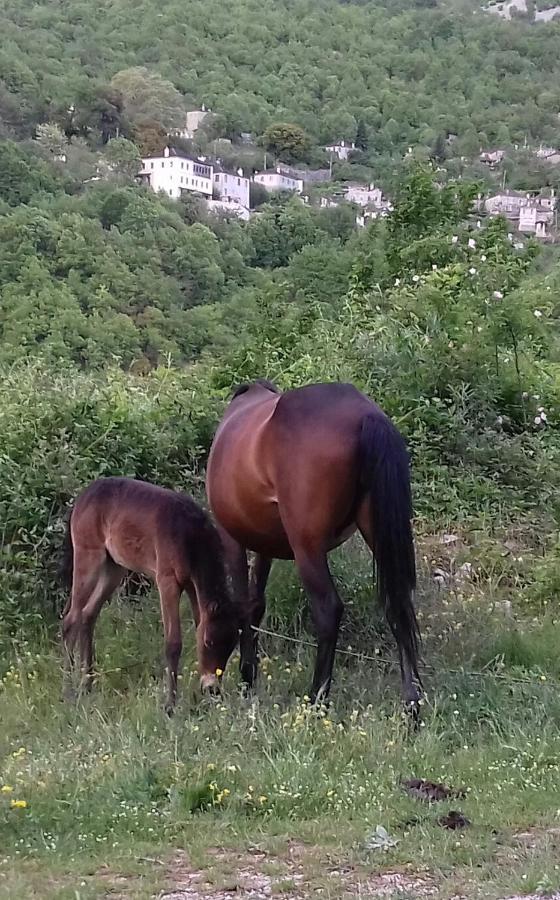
[410,69]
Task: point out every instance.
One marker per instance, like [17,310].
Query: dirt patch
[293,876]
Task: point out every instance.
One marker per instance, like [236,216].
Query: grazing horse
[120,524]
[291,476]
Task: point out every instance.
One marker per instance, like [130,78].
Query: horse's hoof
[169,710]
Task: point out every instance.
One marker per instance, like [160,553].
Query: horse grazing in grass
[291,476]
[120,524]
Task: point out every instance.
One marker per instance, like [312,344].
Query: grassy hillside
[409,70]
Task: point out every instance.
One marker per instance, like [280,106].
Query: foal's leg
[326,612]
[410,692]
[88,567]
[170,594]
[108,581]
[193,597]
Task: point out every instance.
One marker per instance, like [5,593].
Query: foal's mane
[262,382]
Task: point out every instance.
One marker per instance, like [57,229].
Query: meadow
[268,796]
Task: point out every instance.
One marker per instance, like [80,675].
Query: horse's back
[140,525]
[286,462]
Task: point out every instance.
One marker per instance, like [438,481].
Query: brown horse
[120,524]
[293,475]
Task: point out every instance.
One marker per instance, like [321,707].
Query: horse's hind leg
[249,643]
[326,613]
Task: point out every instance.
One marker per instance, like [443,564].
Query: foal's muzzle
[210,684]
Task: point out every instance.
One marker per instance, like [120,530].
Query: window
[182,164]
[170,162]
[170,192]
[181,179]
[151,165]
[162,163]
[216,177]
[239,181]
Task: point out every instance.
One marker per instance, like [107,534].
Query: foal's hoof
[412,711]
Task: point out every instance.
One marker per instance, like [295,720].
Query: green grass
[115,791]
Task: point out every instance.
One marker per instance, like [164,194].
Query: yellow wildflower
[18,804]
[262,799]
[219,672]
[6,789]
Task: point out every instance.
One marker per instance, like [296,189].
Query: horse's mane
[262,382]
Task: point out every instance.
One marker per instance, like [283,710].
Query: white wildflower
[498,295]
[483,258]
[434,267]
[397,282]
[454,239]
[537,314]
[472,244]
[472,271]
[415,278]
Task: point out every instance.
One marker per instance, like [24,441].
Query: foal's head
[217,635]
[218,630]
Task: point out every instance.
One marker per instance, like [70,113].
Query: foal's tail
[66,569]
[386,475]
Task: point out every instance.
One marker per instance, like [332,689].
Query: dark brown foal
[291,476]
[119,525]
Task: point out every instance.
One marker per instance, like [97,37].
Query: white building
[549,155]
[232,187]
[364,195]
[276,180]
[492,158]
[172,172]
[342,150]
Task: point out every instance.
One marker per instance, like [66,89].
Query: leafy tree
[148,97]
[150,138]
[288,142]
[439,150]
[122,158]
[361,141]
[52,139]
[20,175]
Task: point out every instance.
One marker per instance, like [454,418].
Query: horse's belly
[257,526]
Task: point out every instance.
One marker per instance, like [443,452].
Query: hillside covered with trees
[410,69]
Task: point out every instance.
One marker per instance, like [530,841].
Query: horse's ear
[260,382]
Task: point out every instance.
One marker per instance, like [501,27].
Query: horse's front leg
[326,613]
[170,595]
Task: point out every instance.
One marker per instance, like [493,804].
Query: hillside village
[229,192]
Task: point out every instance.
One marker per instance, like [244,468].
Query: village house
[193,121]
[275,180]
[548,155]
[492,158]
[173,173]
[341,150]
[231,187]
[364,195]
[531,213]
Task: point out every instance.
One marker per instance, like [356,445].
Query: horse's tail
[66,569]
[386,475]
